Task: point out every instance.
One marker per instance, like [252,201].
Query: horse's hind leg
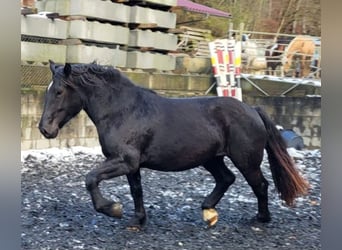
[249,166]
[224,178]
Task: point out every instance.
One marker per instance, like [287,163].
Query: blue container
[292,139]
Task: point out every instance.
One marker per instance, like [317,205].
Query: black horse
[273,56]
[137,128]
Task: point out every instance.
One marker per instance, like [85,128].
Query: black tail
[289,183]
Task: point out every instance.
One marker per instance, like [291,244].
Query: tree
[284,16]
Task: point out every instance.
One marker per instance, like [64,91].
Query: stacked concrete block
[162,19]
[87,41]
[41,26]
[42,52]
[147,60]
[156,40]
[98,32]
[95,9]
[102,55]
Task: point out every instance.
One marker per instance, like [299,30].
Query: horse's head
[287,62]
[62,102]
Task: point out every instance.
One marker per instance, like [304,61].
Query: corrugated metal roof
[195,7]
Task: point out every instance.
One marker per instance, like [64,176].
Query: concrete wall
[79,132]
[303,114]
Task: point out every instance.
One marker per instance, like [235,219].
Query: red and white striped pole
[219,60]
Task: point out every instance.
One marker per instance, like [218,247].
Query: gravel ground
[57,212]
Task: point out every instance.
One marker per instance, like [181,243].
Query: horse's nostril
[48,131]
[42,130]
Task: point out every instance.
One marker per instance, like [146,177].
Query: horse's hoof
[137,222]
[134,228]
[263,218]
[210,216]
[116,210]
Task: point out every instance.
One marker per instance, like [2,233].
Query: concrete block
[139,78]
[91,142]
[38,25]
[147,60]
[35,133]
[42,52]
[199,83]
[54,143]
[26,133]
[64,143]
[105,10]
[141,38]
[43,143]
[25,108]
[100,32]
[26,145]
[170,82]
[90,131]
[315,142]
[143,15]
[157,40]
[140,60]
[102,55]
[164,62]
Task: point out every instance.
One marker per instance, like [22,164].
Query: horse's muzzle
[48,133]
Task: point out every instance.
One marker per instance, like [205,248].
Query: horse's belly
[176,157]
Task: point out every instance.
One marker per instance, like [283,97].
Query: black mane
[99,75]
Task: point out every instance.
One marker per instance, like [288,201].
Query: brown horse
[301,48]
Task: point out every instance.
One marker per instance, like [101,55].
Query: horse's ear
[67,69]
[52,66]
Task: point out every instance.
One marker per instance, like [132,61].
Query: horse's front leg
[109,169]
[139,217]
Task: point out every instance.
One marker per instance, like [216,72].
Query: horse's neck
[290,51]
[105,101]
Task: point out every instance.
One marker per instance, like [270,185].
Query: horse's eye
[59,92]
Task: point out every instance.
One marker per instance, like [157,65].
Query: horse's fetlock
[98,208]
[264,218]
